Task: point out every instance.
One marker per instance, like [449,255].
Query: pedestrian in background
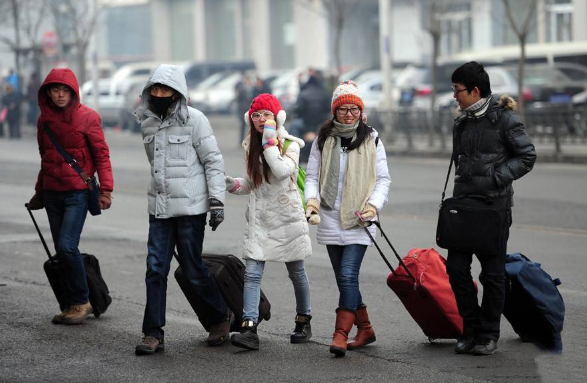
[492,150]
[243,93]
[11,104]
[32,99]
[276,229]
[61,190]
[347,174]
[187,182]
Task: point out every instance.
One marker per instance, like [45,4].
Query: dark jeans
[67,214]
[187,235]
[482,322]
[346,263]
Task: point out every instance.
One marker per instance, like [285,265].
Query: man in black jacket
[492,150]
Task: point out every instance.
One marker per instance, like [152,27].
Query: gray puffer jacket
[492,151]
[186,165]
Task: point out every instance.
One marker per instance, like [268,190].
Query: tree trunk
[15,17]
[521,64]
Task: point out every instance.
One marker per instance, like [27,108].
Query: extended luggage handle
[40,234]
[392,248]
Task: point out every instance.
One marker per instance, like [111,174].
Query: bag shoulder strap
[68,158]
[285,146]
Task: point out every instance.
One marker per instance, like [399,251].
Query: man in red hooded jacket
[61,190]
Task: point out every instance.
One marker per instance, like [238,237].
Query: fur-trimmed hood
[506,102]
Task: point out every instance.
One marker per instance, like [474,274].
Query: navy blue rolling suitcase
[533,304]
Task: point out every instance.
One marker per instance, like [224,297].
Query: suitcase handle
[392,248]
[39,231]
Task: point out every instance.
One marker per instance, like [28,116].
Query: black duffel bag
[475,224]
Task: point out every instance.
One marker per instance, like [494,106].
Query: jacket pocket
[148,142]
[178,147]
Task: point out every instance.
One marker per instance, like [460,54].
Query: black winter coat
[492,151]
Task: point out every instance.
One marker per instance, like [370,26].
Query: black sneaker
[485,347]
[303,330]
[465,344]
[248,337]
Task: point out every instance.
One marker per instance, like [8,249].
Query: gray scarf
[331,161]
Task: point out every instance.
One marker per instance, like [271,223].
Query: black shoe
[248,337]
[485,347]
[303,331]
[149,345]
[465,344]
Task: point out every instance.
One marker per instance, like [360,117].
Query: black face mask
[161,104]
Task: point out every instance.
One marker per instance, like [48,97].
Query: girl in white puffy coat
[346,175]
[276,226]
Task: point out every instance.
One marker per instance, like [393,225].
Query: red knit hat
[266,101]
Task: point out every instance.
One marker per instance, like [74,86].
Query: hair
[471,75]
[257,170]
[363,131]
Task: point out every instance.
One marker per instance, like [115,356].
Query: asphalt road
[550,226]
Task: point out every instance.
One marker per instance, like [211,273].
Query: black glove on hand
[216,213]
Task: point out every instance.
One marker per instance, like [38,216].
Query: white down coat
[276,224]
[186,165]
[330,231]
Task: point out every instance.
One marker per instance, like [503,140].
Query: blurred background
[401,53]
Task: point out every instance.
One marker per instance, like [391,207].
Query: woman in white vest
[347,182]
[276,226]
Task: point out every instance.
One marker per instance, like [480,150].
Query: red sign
[50,43]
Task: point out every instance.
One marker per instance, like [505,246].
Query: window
[559,21]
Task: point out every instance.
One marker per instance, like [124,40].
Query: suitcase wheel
[431,339]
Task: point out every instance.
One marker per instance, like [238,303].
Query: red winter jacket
[79,131]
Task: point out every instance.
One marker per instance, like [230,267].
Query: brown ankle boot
[221,331]
[77,314]
[365,332]
[344,324]
[58,319]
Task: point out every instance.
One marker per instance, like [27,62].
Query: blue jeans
[187,235]
[346,262]
[67,213]
[252,294]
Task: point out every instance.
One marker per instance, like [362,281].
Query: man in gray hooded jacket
[187,181]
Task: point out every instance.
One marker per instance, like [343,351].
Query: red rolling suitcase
[421,283]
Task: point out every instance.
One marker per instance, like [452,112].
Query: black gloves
[216,213]
[36,202]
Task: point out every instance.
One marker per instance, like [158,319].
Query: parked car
[197,72]
[218,98]
[547,84]
[110,100]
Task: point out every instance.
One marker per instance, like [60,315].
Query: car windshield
[211,80]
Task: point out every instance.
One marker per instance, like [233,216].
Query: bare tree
[435,10]
[76,19]
[337,13]
[26,18]
[522,30]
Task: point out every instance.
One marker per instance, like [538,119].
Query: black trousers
[480,321]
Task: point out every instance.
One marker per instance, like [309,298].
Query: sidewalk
[571,153]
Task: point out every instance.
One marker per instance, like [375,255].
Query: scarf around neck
[359,175]
[478,109]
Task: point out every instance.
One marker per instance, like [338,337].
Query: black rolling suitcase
[99,295]
[229,273]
